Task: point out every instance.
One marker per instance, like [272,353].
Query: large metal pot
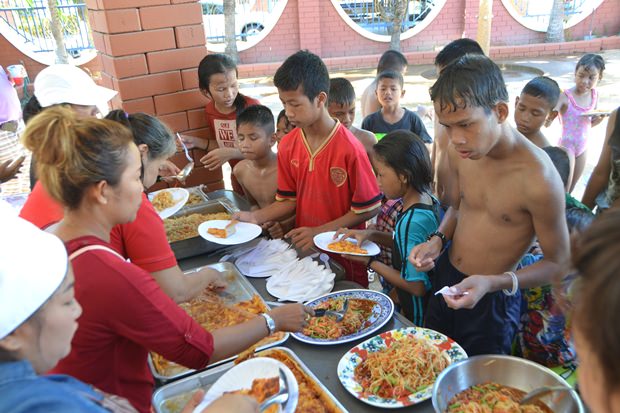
[510,371]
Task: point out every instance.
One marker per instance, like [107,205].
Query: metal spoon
[543,391]
[279,398]
[184,148]
[187,169]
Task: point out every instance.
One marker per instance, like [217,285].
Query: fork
[338,314]
[184,148]
[279,398]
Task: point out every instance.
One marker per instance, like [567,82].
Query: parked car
[247,23]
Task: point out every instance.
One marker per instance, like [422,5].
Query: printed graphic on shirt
[338,175]
[295,163]
[225,132]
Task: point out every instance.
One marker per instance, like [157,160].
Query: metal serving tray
[195,190]
[238,289]
[217,201]
[172,397]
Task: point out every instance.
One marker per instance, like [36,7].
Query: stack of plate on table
[292,279]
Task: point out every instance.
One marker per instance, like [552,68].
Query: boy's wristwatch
[441,236]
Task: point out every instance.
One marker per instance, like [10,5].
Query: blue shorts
[488,328]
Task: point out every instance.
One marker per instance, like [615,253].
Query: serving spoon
[536,394]
[281,396]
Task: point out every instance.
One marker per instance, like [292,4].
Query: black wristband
[441,236]
[370,261]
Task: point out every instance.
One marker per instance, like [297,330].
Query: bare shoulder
[241,168]
[542,182]
[367,138]
[562,103]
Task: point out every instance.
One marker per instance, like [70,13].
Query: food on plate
[225,232]
[407,366]
[163,200]
[312,398]
[194,199]
[347,247]
[261,390]
[185,227]
[211,312]
[355,319]
[493,397]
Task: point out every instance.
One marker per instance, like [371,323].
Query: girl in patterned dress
[574,103]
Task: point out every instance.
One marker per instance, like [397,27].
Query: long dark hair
[213,64]
[405,152]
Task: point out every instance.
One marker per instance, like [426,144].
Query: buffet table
[322,360]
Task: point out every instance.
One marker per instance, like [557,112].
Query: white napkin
[301,280]
[268,257]
[450,292]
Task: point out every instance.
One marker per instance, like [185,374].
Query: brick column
[470,24]
[309,13]
[150,51]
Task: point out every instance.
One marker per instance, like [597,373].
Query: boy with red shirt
[324,174]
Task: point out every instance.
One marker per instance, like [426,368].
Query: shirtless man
[257,172]
[451,52]
[507,193]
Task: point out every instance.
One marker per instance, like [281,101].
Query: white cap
[33,264]
[69,84]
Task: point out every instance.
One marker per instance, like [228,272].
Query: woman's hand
[167,168]
[291,317]
[238,403]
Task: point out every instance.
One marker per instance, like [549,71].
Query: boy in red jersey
[324,175]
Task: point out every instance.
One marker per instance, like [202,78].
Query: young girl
[576,101]
[217,79]
[283,126]
[94,169]
[403,168]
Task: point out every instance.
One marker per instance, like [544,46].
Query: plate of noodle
[169,201]
[368,311]
[399,367]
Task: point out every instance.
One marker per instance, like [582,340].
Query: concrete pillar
[150,51]
[485,18]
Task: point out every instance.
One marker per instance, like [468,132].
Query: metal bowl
[509,371]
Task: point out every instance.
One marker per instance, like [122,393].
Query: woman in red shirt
[93,168]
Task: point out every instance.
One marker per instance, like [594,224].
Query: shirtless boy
[257,172]
[507,194]
[535,107]
[452,51]
[341,105]
[324,174]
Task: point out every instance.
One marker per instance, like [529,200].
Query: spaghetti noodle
[355,319]
[408,366]
[493,398]
[346,246]
[163,200]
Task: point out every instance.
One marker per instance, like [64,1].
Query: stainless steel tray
[195,190]
[238,289]
[172,397]
[217,201]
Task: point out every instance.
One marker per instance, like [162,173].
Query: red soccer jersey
[40,208]
[144,240]
[124,315]
[334,180]
[224,128]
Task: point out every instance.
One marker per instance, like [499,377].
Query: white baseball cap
[69,84]
[33,264]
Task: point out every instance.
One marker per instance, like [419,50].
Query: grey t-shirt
[410,121]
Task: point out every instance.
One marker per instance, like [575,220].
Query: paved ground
[517,73]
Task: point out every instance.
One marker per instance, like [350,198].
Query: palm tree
[57,33]
[555,31]
[229,30]
[393,11]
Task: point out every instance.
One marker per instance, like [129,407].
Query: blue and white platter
[381,313]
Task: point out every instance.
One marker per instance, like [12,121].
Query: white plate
[244,232]
[597,112]
[241,377]
[322,240]
[179,195]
